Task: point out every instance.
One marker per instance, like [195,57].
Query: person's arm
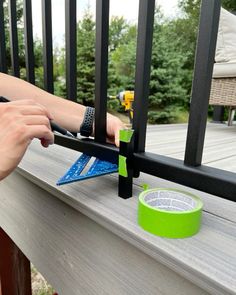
[20,122]
[66,113]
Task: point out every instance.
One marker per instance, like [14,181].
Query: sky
[126,8]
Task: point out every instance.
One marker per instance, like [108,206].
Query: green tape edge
[145,186]
[126,135]
[122,166]
[169,224]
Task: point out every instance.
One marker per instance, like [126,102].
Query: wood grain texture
[15,277]
[207,259]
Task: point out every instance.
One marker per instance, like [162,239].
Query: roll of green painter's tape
[169,213]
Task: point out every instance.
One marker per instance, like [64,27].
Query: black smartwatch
[86,128]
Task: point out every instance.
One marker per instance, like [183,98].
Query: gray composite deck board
[219,150]
[208,259]
[76,254]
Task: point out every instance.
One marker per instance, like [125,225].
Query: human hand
[114,125]
[20,122]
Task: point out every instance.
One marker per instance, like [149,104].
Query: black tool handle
[3,99]
[57,128]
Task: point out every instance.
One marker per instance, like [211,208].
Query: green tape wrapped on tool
[169,213]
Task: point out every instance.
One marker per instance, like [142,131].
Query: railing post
[71,47]
[29,47]
[101,65]
[142,73]
[15,278]
[14,38]
[3,64]
[47,45]
[142,78]
[218,114]
[205,54]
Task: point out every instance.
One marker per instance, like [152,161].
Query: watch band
[86,128]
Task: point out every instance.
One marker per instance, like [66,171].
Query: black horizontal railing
[106,152]
[204,178]
[189,172]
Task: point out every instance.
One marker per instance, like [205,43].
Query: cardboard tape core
[170,201]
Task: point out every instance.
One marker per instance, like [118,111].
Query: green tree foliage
[122,49]
[123,63]
[120,32]
[166,72]
[173,53]
[122,37]
[229,5]
[38,47]
[19,17]
[117,32]
[191,7]
[167,93]
[86,59]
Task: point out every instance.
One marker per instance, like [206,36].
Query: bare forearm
[64,112]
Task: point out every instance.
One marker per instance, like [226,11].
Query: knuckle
[7,115]
[46,121]
[20,131]
[42,110]
[46,131]
[31,101]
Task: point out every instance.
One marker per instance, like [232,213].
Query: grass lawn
[39,284]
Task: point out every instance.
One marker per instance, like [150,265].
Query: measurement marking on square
[98,168]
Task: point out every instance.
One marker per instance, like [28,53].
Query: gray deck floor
[219,149]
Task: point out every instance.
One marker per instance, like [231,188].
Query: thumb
[117,137]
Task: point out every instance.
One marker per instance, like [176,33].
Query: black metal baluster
[142,75]
[205,54]
[29,48]
[71,58]
[101,65]
[3,63]
[47,45]
[218,114]
[14,38]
